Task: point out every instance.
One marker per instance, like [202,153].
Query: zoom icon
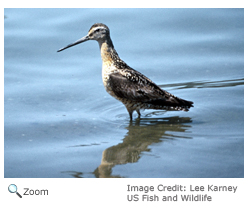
[13,189]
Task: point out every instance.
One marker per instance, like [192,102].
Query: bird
[132,88]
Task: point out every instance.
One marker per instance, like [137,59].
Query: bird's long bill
[81,40]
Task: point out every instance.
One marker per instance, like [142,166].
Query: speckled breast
[107,69]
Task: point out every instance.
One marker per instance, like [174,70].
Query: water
[60,122]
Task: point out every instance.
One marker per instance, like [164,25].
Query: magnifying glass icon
[13,189]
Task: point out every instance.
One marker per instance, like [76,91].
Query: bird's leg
[130,111]
[138,111]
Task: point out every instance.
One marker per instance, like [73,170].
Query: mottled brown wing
[136,87]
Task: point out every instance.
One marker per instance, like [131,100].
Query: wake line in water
[206,84]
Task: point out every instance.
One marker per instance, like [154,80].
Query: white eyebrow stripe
[99,28]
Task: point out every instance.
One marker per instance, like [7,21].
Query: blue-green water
[60,122]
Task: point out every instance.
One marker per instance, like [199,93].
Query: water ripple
[206,84]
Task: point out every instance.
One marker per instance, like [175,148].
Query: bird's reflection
[141,133]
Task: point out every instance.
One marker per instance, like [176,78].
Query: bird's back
[130,86]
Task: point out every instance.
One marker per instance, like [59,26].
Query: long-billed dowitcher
[129,86]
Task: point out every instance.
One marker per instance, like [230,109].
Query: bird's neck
[108,53]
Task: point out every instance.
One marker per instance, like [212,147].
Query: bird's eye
[97,30]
